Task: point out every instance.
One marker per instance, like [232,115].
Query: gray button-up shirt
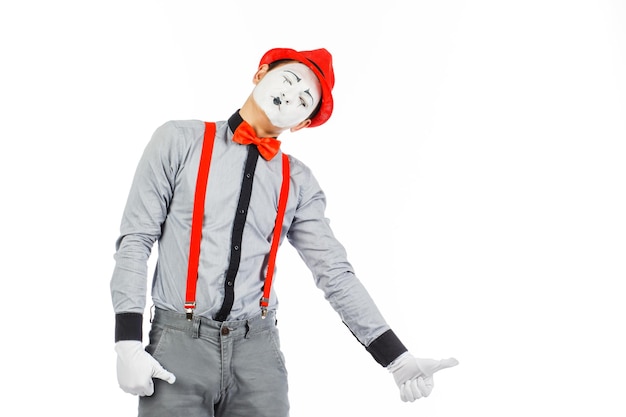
[160,206]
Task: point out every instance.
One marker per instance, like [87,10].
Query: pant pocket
[156,333]
[274,339]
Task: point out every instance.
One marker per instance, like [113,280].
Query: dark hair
[284,61]
[280,62]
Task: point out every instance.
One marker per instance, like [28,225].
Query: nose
[277,101]
[286,98]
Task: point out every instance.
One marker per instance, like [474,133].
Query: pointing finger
[446,363]
[165,375]
[430,366]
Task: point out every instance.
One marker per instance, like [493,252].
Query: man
[219,198]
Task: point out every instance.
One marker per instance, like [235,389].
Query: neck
[255,117]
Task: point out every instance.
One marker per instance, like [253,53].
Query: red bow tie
[245,135]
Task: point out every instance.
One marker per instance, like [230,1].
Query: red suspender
[198,215]
[282,204]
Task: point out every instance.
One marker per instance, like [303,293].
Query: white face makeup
[288,94]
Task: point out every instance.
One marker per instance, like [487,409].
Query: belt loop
[196,328]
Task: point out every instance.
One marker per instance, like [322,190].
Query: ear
[301,125]
[260,73]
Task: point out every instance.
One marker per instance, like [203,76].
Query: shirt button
[225,331]
[229,283]
[236,247]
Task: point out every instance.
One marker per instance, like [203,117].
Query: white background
[474,167]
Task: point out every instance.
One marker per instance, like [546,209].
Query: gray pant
[231,368]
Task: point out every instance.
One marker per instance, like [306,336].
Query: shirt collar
[234,121]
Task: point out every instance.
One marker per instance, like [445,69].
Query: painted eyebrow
[298,79]
[312,99]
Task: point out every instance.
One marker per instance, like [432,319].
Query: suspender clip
[264,303]
[189,307]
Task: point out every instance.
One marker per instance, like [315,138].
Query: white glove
[414,376]
[136,368]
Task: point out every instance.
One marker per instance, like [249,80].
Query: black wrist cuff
[386,347]
[128,326]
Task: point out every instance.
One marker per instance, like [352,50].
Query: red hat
[321,63]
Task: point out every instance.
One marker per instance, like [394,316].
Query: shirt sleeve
[311,235]
[146,209]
